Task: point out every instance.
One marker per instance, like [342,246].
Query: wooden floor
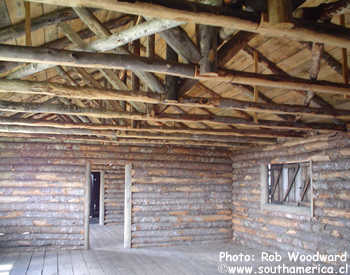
[107,256]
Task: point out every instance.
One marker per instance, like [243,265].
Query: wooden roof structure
[211,73]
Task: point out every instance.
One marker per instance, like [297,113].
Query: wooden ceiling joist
[229,141]
[152,129]
[8,106]
[315,32]
[74,92]
[124,141]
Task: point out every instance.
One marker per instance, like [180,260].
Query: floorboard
[108,257]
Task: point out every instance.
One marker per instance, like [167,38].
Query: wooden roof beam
[73,92]
[163,129]
[9,106]
[64,42]
[138,134]
[113,61]
[308,31]
[129,141]
[112,42]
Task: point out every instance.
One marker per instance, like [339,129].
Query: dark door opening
[95,197]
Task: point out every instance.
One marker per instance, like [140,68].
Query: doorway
[95,197]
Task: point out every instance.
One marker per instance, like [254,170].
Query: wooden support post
[87,205]
[102,198]
[279,11]
[150,53]
[208,46]
[311,192]
[208,43]
[127,207]
[135,82]
[256,92]
[28,24]
[344,56]
[171,81]
[317,50]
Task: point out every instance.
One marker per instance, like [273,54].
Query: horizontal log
[105,44]
[159,197]
[53,89]
[48,145]
[180,188]
[169,226]
[316,32]
[184,218]
[179,181]
[56,154]
[63,42]
[239,141]
[178,173]
[132,139]
[53,57]
[169,233]
[8,106]
[164,129]
[279,81]
[114,61]
[177,207]
[56,131]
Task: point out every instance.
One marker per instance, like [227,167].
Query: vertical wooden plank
[102,198]
[256,93]
[344,55]
[311,193]
[279,11]
[171,81]
[87,204]
[127,207]
[263,184]
[28,24]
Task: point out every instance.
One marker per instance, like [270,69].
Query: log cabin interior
[169,137]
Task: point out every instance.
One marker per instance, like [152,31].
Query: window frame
[265,205]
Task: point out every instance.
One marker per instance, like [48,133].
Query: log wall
[54,173]
[186,199]
[328,231]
